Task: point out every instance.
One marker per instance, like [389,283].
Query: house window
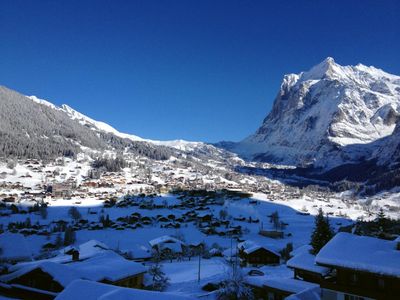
[381,283]
[271,296]
[353,278]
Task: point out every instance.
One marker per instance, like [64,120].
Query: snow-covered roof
[104,266]
[251,246]
[164,239]
[89,290]
[300,250]
[204,214]
[289,284]
[139,251]
[306,261]
[86,250]
[63,274]
[14,247]
[309,294]
[361,253]
[174,247]
[107,266]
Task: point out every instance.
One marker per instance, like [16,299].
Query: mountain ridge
[319,114]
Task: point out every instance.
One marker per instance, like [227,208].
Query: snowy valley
[84,207]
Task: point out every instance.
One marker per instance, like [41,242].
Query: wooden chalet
[45,279]
[61,190]
[363,268]
[282,288]
[253,254]
[305,268]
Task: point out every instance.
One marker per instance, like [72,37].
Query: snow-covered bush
[234,288]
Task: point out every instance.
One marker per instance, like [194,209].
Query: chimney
[75,255]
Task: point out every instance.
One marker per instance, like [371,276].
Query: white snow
[328,106]
[103,266]
[89,290]
[63,274]
[290,284]
[165,239]
[14,247]
[306,261]
[361,253]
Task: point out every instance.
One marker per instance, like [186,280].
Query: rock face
[327,116]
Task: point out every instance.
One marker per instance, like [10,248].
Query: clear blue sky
[197,70]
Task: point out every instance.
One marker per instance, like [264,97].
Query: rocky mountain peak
[327,116]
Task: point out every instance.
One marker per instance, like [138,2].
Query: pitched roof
[289,284]
[306,261]
[361,253]
[164,239]
[89,290]
[309,294]
[63,274]
[86,250]
[104,266]
[107,266]
[250,247]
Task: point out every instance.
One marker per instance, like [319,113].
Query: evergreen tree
[381,220]
[275,220]
[69,236]
[159,280]
[43,210]
[59,242]
[28,223]
[285,252]
[322,232]
[223,214]
[74,213]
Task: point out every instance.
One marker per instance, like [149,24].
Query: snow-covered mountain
[35,128]
[104,127]
[327,116]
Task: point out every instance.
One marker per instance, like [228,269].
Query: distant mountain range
[331,121]
[34,128]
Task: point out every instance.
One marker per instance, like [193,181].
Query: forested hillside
[32,130]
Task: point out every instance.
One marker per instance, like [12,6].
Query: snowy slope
[101,126]
[327,116]
[84,120]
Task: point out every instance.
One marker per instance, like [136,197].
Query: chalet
[268,288]
[61,190]
[279,289]
[205,216]
[305,268]
[362,268]
[45,279]
[253,254]
[167,244]
[275,234]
